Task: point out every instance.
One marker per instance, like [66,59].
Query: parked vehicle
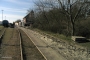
[5,23]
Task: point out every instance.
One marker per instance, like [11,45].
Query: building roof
[29,14]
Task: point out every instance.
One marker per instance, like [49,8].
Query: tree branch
[78,12]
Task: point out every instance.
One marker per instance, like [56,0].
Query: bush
[83,29]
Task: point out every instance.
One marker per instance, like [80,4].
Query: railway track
[29,50]
[10,46]
[2,32]
[16,45]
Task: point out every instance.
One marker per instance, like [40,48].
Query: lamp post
[2,15]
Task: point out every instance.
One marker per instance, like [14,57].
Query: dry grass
[63,37]
[1,27]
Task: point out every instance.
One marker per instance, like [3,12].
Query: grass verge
[63,37]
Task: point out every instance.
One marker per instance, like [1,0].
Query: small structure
[20,24]
[29,19]
[16,24]
[79,39]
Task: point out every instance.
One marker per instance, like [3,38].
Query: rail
[1,36]
[21,50]
[36,46]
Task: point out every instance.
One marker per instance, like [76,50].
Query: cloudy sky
[15,9]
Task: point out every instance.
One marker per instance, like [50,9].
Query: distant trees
[61,16]
[73,9]
[82,28]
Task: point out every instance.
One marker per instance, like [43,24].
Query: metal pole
[2,15]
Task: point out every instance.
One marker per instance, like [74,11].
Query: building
[16,24]
[28,20]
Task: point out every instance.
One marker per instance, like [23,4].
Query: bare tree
[72,9]
[68,9]
[42,7]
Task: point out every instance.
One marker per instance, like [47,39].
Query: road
[48,52]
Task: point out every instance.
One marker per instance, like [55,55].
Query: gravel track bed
[30,52]
[10,47]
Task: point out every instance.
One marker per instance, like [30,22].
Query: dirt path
[49,53]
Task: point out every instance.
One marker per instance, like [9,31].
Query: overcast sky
[15,9]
